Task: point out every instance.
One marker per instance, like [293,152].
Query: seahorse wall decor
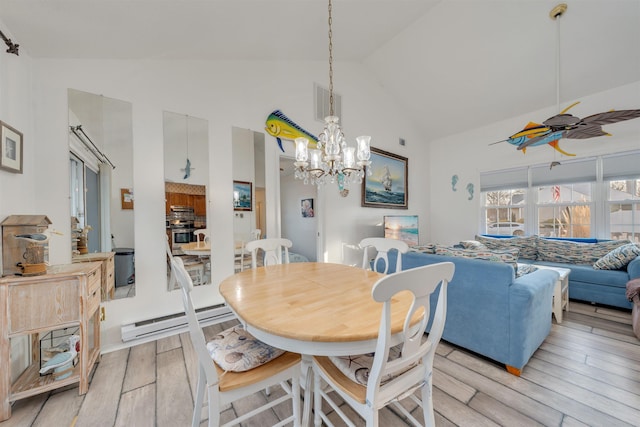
[454,182]
[470,190]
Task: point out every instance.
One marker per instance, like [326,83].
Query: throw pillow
[525,269]
[429,248]
[237,350]
[472,244]
[527,246]
[509,256]
[575,253]
[618,258]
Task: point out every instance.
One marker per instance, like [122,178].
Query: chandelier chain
[330,20]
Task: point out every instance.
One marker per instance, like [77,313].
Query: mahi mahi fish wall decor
[282,127]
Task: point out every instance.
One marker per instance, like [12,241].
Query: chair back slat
[382,246]
[276,251]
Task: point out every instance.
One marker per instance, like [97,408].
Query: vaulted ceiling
[451,64]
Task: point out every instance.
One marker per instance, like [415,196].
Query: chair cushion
[237,350]
[357,368]
[618,258]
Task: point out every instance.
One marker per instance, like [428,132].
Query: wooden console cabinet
[66,296]
[108,270]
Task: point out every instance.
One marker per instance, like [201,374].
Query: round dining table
[200,248]
[312,308]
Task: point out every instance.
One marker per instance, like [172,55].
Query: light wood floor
[587,372]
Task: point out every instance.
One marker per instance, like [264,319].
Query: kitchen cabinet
[67,296]
[180,199]
[200,205]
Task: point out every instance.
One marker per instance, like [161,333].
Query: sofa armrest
[633,268]
[530,313]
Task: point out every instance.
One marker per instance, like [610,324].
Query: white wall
[242,94]
[227,94]
[454,217]
[16,108]
[300,230]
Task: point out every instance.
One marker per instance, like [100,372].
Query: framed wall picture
[387,187]
[10,148]
[242,196]
[306,208]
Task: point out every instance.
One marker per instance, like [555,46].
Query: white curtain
[105,207]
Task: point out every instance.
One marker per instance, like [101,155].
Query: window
[565,210]
[588,197]
[624,209]
[77,189]
[504,212]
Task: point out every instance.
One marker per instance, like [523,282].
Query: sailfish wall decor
[567,126]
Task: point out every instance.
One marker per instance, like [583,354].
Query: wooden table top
[198,247]
[310,301]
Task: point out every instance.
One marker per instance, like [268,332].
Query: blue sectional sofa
[489,310]
[586,283]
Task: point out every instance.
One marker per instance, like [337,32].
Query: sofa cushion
[584,273]
[618,258]
[509,256]
[237,350]
[575,253]
[527,246]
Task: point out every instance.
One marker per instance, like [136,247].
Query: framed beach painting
[387,186]
[242,196]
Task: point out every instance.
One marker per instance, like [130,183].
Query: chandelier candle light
[332,160]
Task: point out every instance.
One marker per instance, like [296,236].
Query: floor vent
[174,323]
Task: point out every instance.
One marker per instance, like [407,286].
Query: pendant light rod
[330,21]
[555,14]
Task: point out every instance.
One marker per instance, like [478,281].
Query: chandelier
[332,160]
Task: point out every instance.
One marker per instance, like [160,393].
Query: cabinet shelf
[30,382]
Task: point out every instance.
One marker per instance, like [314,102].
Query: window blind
[621,166]
[504,179]
[583,170]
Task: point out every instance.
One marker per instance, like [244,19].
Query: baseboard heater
[174,322]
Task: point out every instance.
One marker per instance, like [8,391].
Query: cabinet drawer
[93,301]
[43,305]
[110,275]
[94,281]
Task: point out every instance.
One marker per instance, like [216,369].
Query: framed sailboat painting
[387,186]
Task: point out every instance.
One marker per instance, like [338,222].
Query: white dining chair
[382,246]
[202,235]
[369,383]
[194,266]
[276,251]
[225,387]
